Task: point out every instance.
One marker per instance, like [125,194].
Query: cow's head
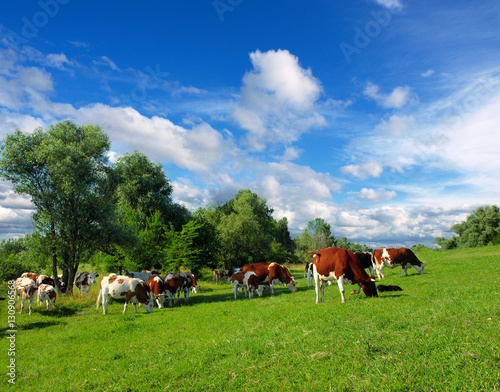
[148,305]
[291,285]
[260,289]
[369,287]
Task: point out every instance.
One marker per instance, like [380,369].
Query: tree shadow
[38,325]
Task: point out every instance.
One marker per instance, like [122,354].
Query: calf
[157,289]
[273,274]
[343,266]
[391,257]
[47,293]
[84,281]
[26,288]
[383,287]
[249,281]
[117,286]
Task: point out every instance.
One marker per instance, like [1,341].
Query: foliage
[317,235]
[481,228]
[64,170]
[180,250]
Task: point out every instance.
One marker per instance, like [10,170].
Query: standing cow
[47,293]
[392,257]
[343,266]
[26,288]
[272,274]
[249,281]
[131,289]
[84,281]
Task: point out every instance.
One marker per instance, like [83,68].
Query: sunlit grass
[440,333]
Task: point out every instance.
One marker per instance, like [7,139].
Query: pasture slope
[441,333]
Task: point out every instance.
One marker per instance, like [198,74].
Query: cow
[220,273]
[26,288]
[365,259]
[249,281]
[39,278]
[157,289]
[118,286]
[174,284]
[392,257]
[308,273]
[343,266]
[272,274]
[189,284]
[46,293]
[84,281]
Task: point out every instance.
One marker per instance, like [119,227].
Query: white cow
[131,289]
[84,281]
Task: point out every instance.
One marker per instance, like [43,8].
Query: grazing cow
[225,274]
[249,281]
[174,284]
[272,274]
[26,288]
[157,289]
[391,257]
[46,293]
[309,274]
[383,287]
[343,266]
[38,278]
[84,281]
[144,275]
[189,284]
[118,286]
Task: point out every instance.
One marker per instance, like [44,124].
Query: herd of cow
[148,287]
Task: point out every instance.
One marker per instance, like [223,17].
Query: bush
[11,268]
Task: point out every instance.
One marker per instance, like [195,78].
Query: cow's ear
[96,275]
[373,279]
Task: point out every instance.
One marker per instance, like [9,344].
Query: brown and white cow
[39,278]
[26,288]
[223,274]
[131,289]
[343,266]
[272,274]
[392,257]
[174,285]
[144,275]
[157,289]
[47,293]
[84,281]
[249,281]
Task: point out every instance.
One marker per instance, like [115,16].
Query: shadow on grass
[38,325]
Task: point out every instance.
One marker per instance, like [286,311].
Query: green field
[441,333]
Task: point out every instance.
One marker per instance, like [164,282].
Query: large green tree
[317,235]
[65,171]
[480,228]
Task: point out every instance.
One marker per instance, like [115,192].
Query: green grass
[441,333]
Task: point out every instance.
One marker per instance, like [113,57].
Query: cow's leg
[235,289]
[340,283]
[105,303]
[322,288]
[125,307]
[357,290]
[30,308]
[98,299]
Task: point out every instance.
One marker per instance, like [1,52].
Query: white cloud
[57,60]
[277,100]
[106,61]
[396,125]
[399,97]
[428,73]
[390,4]
[370,169]
[376,195]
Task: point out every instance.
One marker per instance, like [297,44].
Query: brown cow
[272,274]
[220,273]
[343,266]
[174,285]
[156,289]
[47,293]
[391,257]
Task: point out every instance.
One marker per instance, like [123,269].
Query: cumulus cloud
[362,172]
[57,60]
[390,4]
[399,97]
[376,195]
[277,100]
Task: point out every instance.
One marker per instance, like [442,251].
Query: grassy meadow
[441,333]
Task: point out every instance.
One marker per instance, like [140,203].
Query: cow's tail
[98,299]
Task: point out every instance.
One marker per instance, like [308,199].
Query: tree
[317,235]
[65,172]
[481,228]
[180,249]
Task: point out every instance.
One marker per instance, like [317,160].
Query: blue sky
[379,116]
